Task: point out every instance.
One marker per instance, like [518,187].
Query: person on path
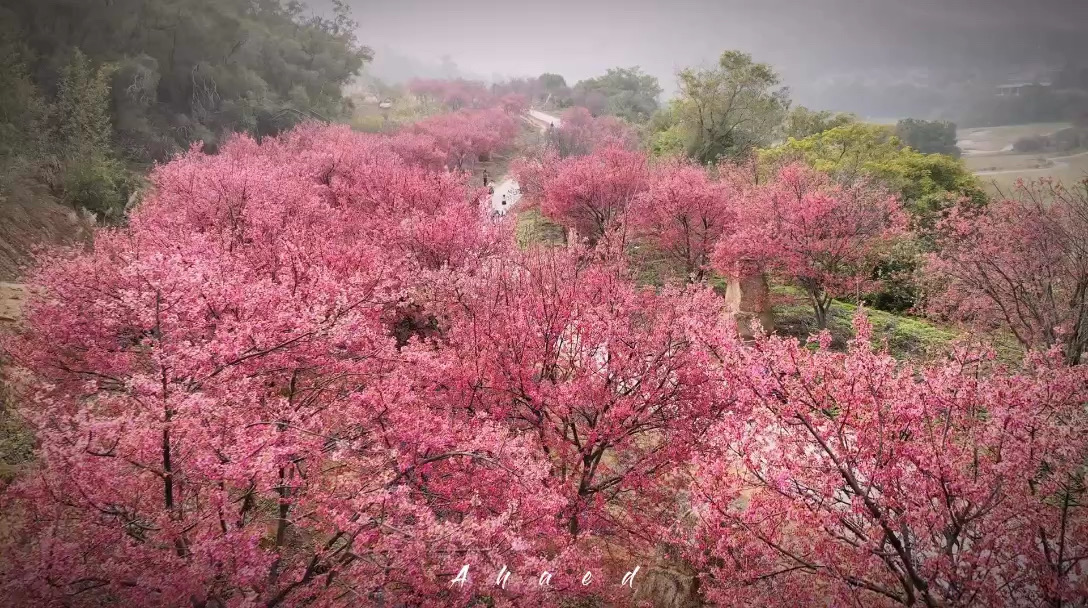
[485,177]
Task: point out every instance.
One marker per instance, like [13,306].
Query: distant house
[1017,89]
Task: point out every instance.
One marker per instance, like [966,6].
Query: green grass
[907,337]
[535,229]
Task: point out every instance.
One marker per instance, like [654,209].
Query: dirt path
[506,188]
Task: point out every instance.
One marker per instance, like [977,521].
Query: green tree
[928,183]
[22,108]
[628,93]
[731,109]
[87,173]
[929,136]
[192,70]
[802,122]
[554,87]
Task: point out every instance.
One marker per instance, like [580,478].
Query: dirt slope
[31,218]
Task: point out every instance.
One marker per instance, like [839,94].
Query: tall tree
[1019,264]
[684,214]
[23,109]
[87,171]
[927,183]
[593,194]
[193,70]
[579,132]
[624,92]
[611,381]
[252,433]
[729,110]
[824,236]
[854,479]
[929,136]
[802,122]
[554,89]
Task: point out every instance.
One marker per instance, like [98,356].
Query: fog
[813,43]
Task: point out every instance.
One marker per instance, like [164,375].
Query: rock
[11,303]
[748,297]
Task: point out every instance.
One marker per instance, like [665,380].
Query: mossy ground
[535,229]
[908,337]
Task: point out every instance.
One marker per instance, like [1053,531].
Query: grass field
[988,153]
[995,139]
[1000,172]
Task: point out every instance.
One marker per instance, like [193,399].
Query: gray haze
[811,42]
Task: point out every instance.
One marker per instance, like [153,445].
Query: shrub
[98,184]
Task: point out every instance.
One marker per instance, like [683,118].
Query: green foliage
[369,123]
[16,440]
[554,87]
[802,122]
[729,110]
[534,229]
[670,142]
[847,150]
[907,337]
[929,136]
[927,183]
[88,173]
[22,108]
[896,273]
[1060,142]
[97,183]
[200,69]
[80,116]
[624,92]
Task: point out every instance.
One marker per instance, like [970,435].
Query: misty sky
[805,39]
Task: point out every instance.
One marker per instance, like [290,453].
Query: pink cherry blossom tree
[579,133]
[514,103]
[592,194]
[225,417]
[1018,264]
[824,236]
[610,381]
[453,94]
[467,136]
[533,173]
[857,480]
[684,214]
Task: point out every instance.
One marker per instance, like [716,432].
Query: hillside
[30,218]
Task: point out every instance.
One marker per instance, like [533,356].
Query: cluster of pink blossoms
[309,372]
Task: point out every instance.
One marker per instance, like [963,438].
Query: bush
[98,184]
[1066,140]
[1030,144]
